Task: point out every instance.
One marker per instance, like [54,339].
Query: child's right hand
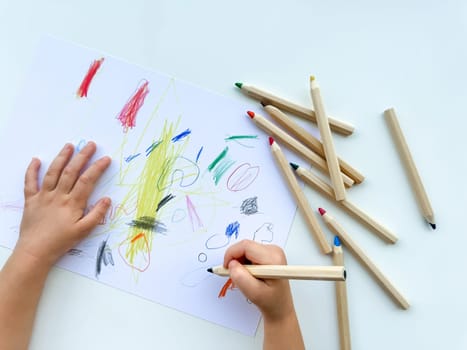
[272,296]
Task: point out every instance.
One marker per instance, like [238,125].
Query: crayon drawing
[189,177]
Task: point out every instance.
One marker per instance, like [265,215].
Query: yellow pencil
[303,112]
[309,140]
[387,286]
[341,299]
[318,184]
[294,145]
[412,172]
[328,144]
[302,202]
[296,272]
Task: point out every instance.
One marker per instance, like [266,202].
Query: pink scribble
[242,177]
[192,212]
[128,114]
[84,87]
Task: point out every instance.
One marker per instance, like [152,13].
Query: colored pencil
[300,111]
[293,144]
[304,207]
[309,140]
[328,143]
[297,272]
[364,260]
[341,299]
[411,169]
[321,186]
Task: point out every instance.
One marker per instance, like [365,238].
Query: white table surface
[368,56]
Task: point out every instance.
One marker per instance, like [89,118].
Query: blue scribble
[232,229]
[130,158]
[152,147]
[181,135]
[199,153]
[80,145]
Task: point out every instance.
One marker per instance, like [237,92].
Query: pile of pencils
[339,177]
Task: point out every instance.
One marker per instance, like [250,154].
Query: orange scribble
[137,258]
[84,87]
[135,238]
[225,287]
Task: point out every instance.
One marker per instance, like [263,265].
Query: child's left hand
[54,219]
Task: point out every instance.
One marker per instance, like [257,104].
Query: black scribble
[104,254]
[99,257]
[164,201]
[108,259]
[148,223]
[75,252]
[249,206]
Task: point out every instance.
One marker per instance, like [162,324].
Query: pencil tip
[433,226]
[251,114]
[345,274]
[271,140]
[322,211]
[210,270]
[337,241]
[239,85]
[294,166]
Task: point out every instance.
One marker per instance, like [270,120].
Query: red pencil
[337,229]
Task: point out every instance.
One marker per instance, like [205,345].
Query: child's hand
[53,218]
[272,296]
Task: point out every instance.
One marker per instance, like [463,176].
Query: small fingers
[56,167]
[241,278]
[256,253]
[72,170]
[87,181]
[31,184]
[94,217]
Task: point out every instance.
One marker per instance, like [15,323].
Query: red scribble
[83,88]
[192,212]
[242,177]
[128,114]
[143,256]
[227,285]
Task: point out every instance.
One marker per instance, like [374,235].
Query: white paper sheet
[208,205]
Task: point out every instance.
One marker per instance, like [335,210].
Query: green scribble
[240,137]
[218,159]
[221,169]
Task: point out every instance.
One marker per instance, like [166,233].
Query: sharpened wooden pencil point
[409,164]
[341,299]
[294,145]
[324,188]
[347,241]
[307,139]
[296,272]
[302,202]
[300,111]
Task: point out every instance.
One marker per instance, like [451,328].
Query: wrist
[27,263]
[279,316]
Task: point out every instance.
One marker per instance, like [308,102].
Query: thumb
[249,285]
[95,216]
